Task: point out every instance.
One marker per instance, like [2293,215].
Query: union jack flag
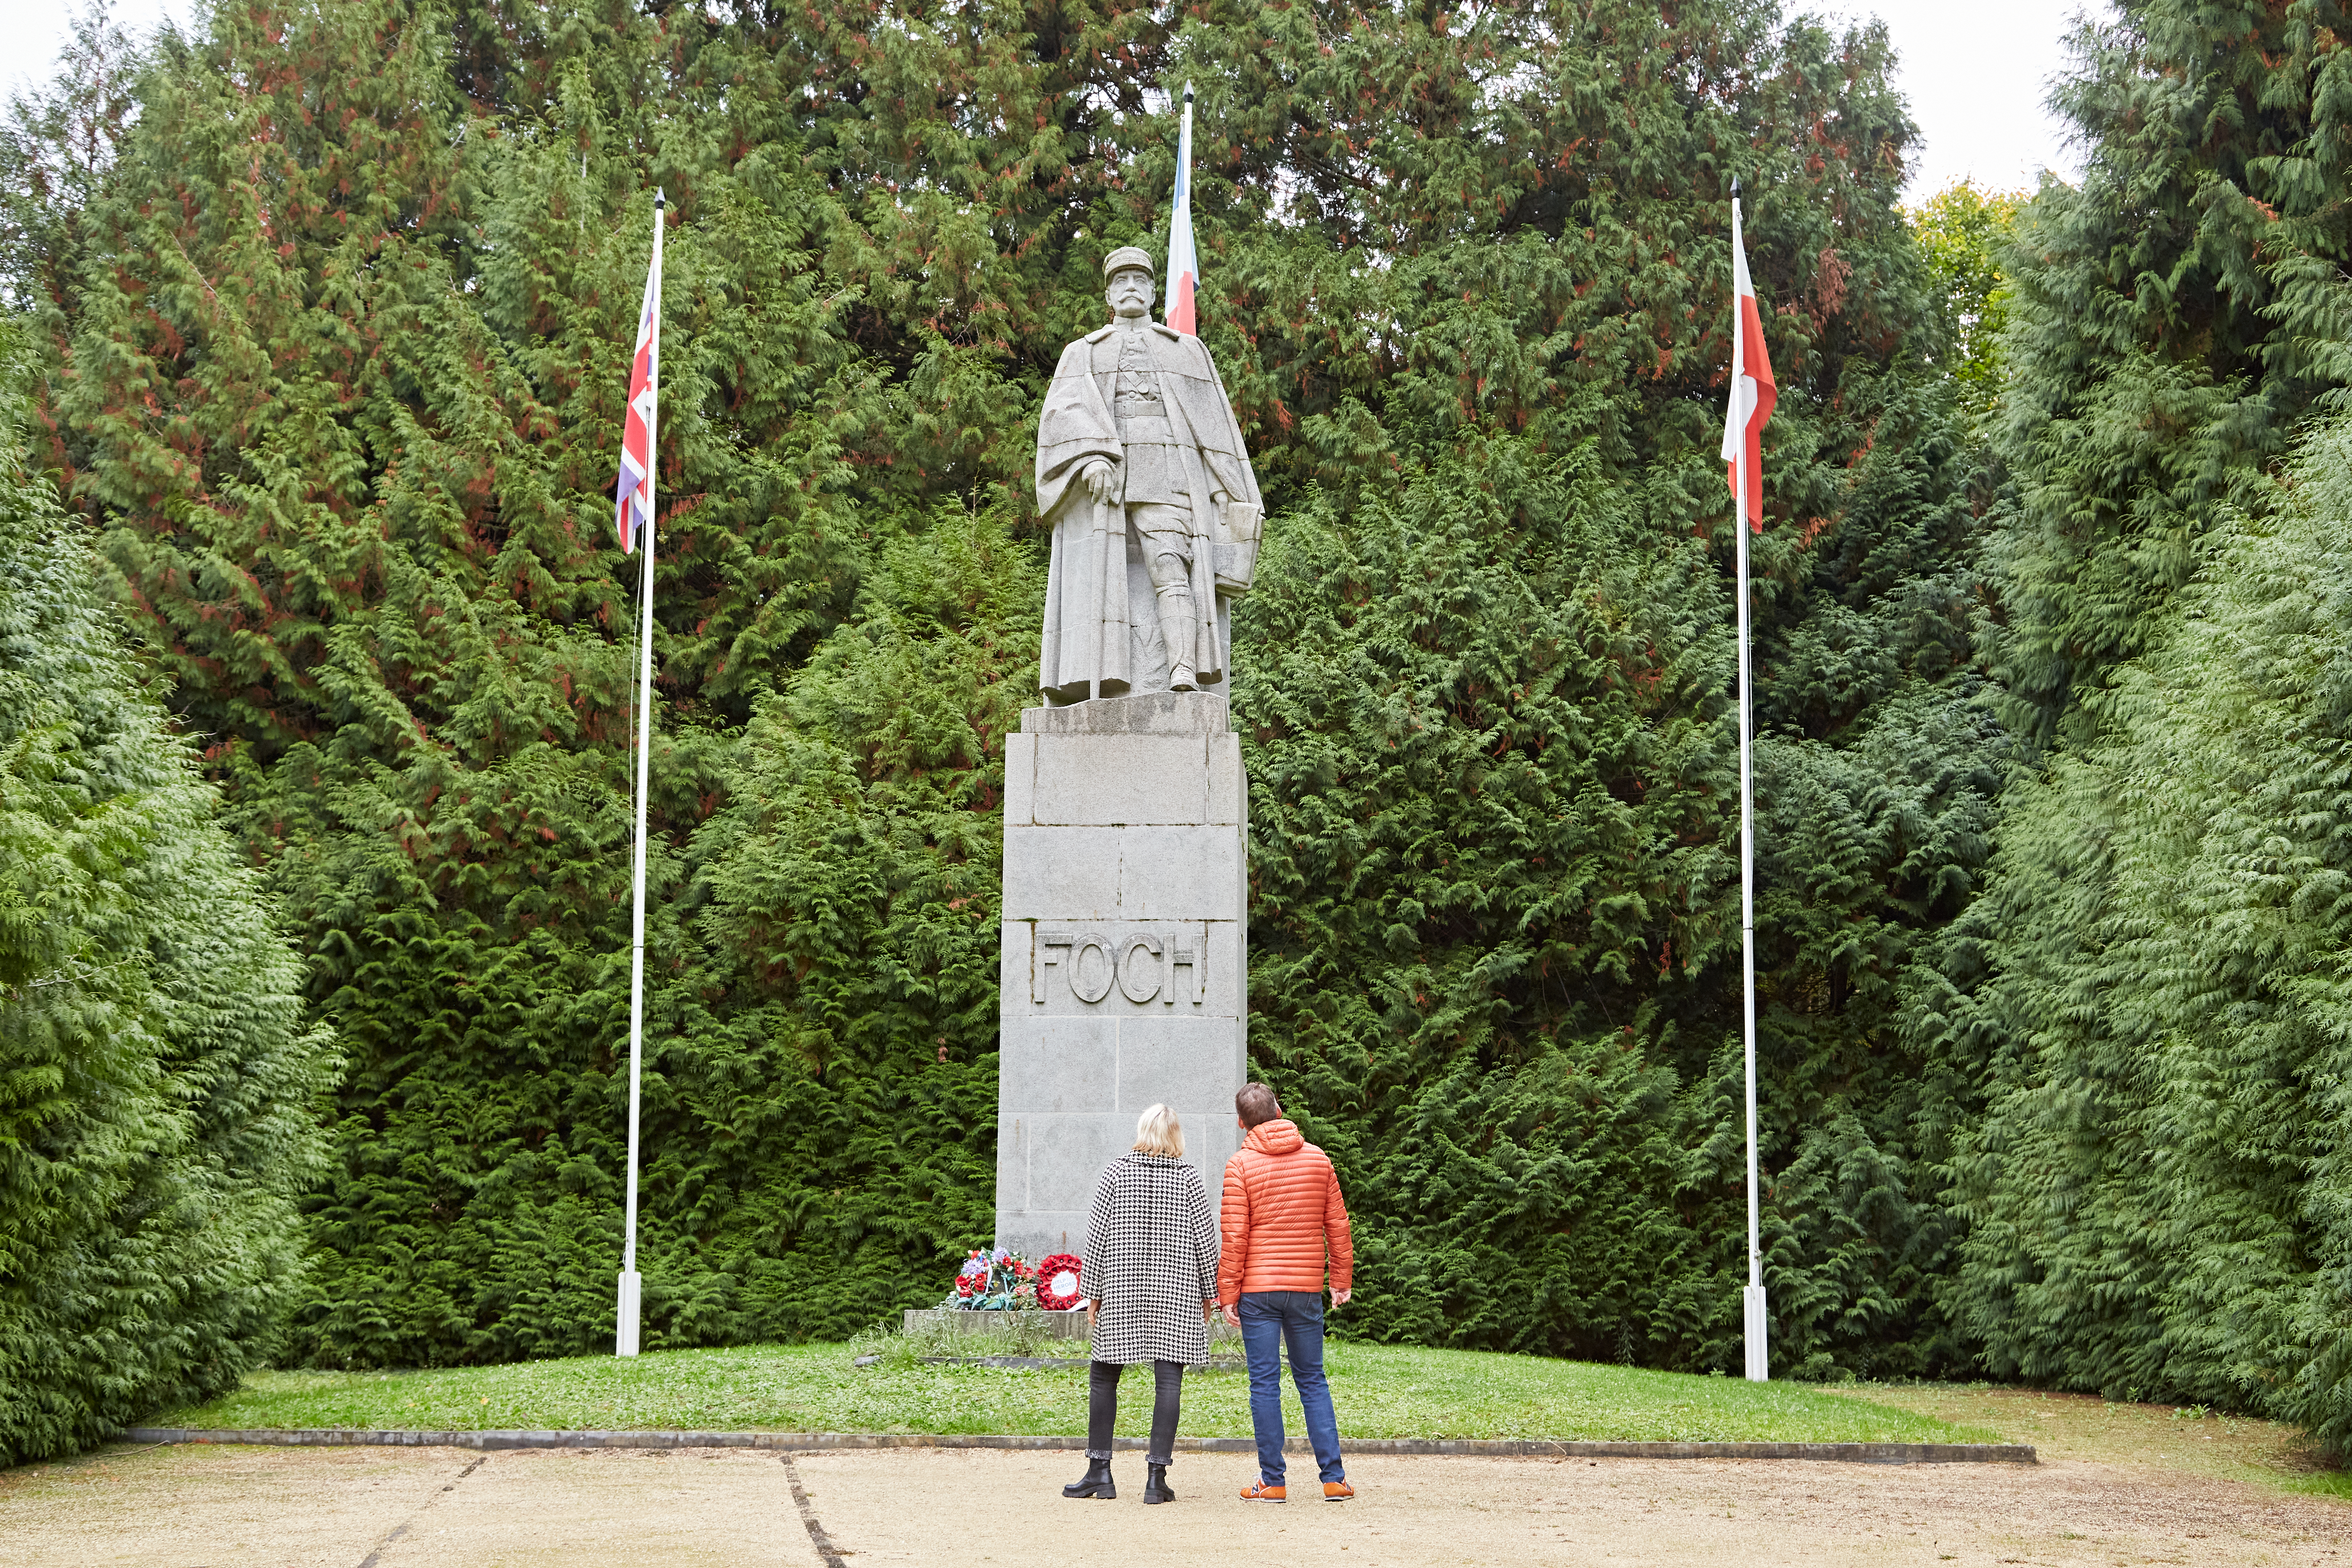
[633,499]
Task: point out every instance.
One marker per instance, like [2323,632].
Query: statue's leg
[1172,588]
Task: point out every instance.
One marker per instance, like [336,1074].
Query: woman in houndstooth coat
[1149,1275]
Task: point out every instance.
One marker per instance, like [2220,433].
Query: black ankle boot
[1096,1482]
[1155,1484]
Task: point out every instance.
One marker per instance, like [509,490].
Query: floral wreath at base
[1057,1283]
[994,1280]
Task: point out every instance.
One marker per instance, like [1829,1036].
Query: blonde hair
[1157,1132]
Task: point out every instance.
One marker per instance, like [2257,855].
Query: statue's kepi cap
[1125,257]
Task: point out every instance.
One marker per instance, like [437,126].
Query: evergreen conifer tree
[2154,1194]
[2173,316]
[2133,1025]
[159,1087]
[368,533]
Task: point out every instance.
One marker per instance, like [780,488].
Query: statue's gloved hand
[1100,480]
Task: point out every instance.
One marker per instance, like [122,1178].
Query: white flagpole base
[1760,1360]
[631,1287]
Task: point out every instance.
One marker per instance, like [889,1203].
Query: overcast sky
[40,28]
[1975,70]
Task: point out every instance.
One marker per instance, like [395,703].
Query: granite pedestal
[1126,949]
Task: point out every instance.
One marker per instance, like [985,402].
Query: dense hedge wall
[2149,995]
[159,1087]
[338,341]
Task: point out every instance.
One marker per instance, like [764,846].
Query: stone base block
[1124,980]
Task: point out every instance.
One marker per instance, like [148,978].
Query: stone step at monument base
[1051,1325]
[956,1321]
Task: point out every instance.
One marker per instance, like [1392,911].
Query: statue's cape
[1076,423]
[1089,613]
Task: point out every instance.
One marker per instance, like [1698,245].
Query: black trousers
[1102,1407]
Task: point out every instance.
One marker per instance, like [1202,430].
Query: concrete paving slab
[190,1507]
[689,1507]
[220,1507]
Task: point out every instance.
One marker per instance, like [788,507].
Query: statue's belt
[1146,429]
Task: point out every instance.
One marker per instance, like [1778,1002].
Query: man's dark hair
[1255,1105]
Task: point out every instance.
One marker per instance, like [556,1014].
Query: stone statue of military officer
[1143,473]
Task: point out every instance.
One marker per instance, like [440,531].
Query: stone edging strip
[818,1442]
[1055,1363]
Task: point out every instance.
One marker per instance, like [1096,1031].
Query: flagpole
[1184,159]
[632,1283]
[1752,1309]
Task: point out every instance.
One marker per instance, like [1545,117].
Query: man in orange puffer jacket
[1284,1221]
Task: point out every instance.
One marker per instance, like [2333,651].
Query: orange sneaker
[1258,1491]
[1337,1491]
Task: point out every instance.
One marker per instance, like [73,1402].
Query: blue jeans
[1268,1318]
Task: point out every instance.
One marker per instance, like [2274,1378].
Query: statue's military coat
[1088,614]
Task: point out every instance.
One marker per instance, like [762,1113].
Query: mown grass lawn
[1381,1392]
[2190,1438]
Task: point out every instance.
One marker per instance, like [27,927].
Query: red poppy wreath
[1057,1283]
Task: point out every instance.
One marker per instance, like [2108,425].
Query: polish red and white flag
[1753,393]
[633,499]
[1183,263]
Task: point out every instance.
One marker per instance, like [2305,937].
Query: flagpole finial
[658,204]
[1735,188]
[1188,92]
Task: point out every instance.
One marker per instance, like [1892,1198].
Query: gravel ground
[357,1508]
[1415,1511]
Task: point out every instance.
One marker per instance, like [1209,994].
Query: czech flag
[1752,390]
[633,499]
[1183,264]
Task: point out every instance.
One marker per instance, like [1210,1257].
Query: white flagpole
[1183,212]
[1751,1300]
[632,1283]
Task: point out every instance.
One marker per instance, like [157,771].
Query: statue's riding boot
[1176,632]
